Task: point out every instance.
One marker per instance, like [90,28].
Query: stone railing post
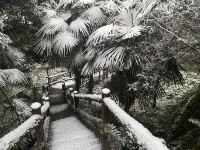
[71,90]
[105,111]
[46,99]
[76,100]
[39,130]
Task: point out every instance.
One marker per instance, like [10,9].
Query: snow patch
[35,105]
[105,91]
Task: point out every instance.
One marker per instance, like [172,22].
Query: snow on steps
[71,134]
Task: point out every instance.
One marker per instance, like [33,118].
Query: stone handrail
[135,130]
[35,122]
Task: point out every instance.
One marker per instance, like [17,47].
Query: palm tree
[120,47]
[11,78]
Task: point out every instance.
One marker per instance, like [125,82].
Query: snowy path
[66,131]
[70,134]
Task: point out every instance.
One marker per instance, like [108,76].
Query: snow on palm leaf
[79,27]
[51,27]
[65,3]
[130,32]
[4,39]
[87,69]
[111,58]
[44,45]
[22,106]
[11,57]
[82,3]
[103,33]
[13,76]
[48,14]
[94,15]
[78,59]
[64,43]
[111,7]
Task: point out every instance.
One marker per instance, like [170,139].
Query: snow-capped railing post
[46,100]
[76,100]
[64,89]
[105,111]
[71,97]
[39,130]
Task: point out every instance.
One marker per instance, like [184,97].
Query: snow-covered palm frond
[11,57]
[44,45]
[22,106]
[82,3]
[79,27]
[91,52]
[51,27]
[48,13]
[64,43]
[4,40]
[13,76]
[111,58]
[65,3]
[66,15]
[111,7]
[78,59]
[103,33]
[87,69]
[130,32]
[94,15]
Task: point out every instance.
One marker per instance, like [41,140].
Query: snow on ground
[58,108]
[71,134]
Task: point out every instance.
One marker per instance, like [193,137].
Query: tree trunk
[77,74]
[91,84]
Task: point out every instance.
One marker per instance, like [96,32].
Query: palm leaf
[11,57]
[79,27]
[44,45]
[111,58]
[111,7]
[64,43]
[83,3]
[130,32]
[65,3]
[94,15]
[13,76]
[51,27]
[78,59]
[48,13]
[103,33]
[22,106]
